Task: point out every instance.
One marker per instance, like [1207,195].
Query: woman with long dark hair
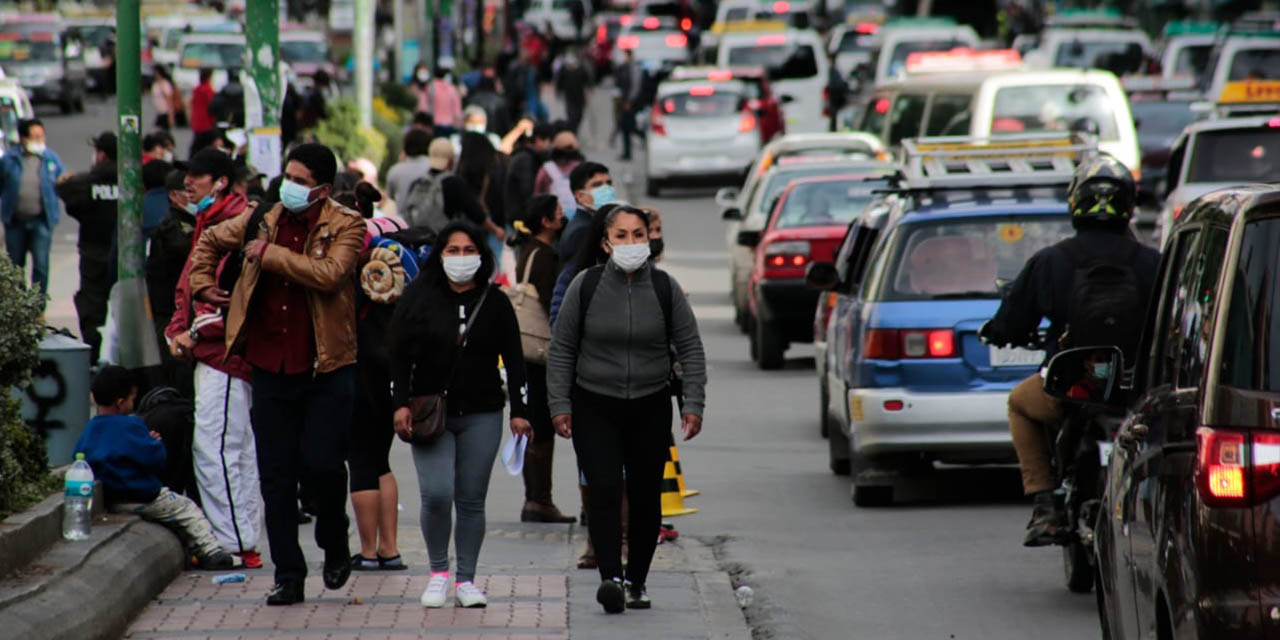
[608,382]
[537,265]
[480,167]
[435,352]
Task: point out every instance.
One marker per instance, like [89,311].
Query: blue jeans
[34,237]
[454,472]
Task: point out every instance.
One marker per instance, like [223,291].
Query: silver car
[700,128]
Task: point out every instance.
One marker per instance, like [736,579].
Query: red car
[806,225]
[761,102]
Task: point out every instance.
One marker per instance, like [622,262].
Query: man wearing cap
[29,204]
[166,258]
[91,199]
[292,315]
[223,449]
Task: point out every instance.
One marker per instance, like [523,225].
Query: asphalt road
[823,569]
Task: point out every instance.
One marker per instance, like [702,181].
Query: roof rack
[995,162]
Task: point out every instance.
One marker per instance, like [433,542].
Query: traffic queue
[1057,254]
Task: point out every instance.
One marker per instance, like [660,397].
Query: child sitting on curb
[129,458]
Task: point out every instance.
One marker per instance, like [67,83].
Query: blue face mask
[602,195]
[1101,370]
[294,197]
[191,208]
[205,202]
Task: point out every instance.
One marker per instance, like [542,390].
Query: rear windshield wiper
[959,295]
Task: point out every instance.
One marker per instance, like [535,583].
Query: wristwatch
[194,333]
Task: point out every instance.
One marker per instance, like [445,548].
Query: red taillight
[866,27]
[881,344]
[882,106]
[602,35]
[785,258]
[894,405]
[1274,123]
[1237,468]
[658,121]
[747,123]
[650,23]
[702,90]
[781,6]
[1177,211]
[625,20]
[677,40]
[771,40]
[628,42]
[686,24]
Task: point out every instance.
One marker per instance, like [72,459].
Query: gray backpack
[425,205]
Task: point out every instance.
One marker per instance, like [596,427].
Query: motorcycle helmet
[1101,192]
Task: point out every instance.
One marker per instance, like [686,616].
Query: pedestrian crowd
[491,277]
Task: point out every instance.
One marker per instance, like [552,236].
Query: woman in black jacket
[431,355]
[537,264]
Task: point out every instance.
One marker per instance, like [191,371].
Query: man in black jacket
[170,246]
[486,96]
[529,154]
[91,199]
[1101,201]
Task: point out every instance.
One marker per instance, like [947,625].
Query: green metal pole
[129,304]
[363,44]
[262,21]
[428,50]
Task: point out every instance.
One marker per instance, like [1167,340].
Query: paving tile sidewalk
[535,593]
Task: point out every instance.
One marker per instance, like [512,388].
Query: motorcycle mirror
[1085,375]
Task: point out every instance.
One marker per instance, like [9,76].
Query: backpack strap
[590,281]
[661,287]
[255,220]
[528,265]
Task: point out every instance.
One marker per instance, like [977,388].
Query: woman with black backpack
[448,331]
[608,380]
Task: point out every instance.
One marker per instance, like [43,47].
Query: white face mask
[475,128]
[423,77]
[35,148]
[167,156]
[630,257]
[461,269]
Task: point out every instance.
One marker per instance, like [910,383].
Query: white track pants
[226,459]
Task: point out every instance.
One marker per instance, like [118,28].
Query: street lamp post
[262,35]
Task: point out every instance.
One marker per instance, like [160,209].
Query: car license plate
[1013,357]
[1104,452]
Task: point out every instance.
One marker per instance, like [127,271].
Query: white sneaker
[470,596]
[437,592]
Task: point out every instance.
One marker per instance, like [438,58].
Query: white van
[797,68]
[979,104]
[1237,58]
[217,51]
[901,38]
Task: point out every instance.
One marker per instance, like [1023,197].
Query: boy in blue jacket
[128,458]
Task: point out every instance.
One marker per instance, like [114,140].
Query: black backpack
[167,412]
[1107,303]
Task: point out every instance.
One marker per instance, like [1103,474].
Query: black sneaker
[285,593]
[612,596]
[1046,522]
[218,561]
[637,597]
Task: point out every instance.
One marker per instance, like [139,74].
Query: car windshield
[1255,64]
[1054,107]
[303,51]
[1192,60]
[701,101]
[1117,56]
[898,61]
[1158,119]
[1251,353]
[815,204]
[1235,155]
[963,258]
[215,55]
[16,48]
[783,61]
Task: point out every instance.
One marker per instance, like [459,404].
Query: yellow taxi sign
[1250,91]
[1000,148]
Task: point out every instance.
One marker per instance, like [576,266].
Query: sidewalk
[528,570]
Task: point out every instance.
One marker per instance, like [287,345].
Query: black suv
[1188,532]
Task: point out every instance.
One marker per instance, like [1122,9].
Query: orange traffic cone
[672,500]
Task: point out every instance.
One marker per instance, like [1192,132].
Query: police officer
[91,199]
[1100,200]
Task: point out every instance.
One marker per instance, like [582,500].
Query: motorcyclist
[1100,200]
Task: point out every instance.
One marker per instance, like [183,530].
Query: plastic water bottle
[77,502]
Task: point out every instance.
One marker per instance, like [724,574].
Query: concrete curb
[24,536]
[724,618]
[92,589]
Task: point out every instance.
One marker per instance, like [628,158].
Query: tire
[873,496]
[752,345]
[838,457]
[770,350]
[65,106]
[652,187]
[824,408]
[1078,569]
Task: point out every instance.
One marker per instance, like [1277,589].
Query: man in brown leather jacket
[292,318]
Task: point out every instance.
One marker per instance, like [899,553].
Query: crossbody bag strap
[462,341]
[528,265]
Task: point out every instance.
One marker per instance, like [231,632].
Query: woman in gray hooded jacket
[608,382]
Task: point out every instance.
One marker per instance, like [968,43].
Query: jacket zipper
[630,325]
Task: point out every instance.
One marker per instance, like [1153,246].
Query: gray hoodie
[622,352]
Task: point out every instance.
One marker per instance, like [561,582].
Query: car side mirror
[732,213]
[1085,375]
[727,197]
[821,276]
[748,238]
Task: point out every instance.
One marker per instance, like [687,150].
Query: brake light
[826,102]
[881,344]
[719,75]
[781,6]
[826,305]
[658,121]
[625,20]
[650,23]
[928,343]
[1237,468]
[882,106]
[1177,211]
[602,35]
[747,123]
[772,39]
[702,90]
[894,405]
[686,24]
[628,42]
[677,40]
[754,104]
[1274,123]
[866,28]
[789,255]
